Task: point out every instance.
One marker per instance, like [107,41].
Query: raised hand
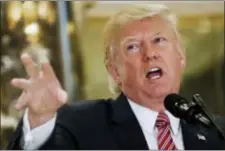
[42,93]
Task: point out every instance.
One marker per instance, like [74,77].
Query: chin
[158,92]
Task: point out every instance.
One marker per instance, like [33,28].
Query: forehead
[145,27]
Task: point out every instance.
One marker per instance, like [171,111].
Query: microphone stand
[207,120]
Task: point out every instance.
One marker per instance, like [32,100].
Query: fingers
[20,83]
[30,65]
[48,71]
[22,101]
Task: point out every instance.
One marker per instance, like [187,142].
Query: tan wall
[92,50]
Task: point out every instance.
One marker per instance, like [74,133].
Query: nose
[149,53]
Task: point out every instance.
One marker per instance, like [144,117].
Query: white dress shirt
[33,139]
[147,119]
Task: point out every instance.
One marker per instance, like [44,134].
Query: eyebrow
[132,38]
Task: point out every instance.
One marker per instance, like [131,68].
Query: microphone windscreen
[170,104]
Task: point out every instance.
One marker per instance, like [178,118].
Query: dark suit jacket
[111,125]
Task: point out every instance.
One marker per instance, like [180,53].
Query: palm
[43,94]
[42,91]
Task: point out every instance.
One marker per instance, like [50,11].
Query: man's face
[149,60]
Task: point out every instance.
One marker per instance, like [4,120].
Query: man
[145,58]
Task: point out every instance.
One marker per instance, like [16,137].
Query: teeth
[154,69]
[152,73]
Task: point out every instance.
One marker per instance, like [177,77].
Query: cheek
[172,61]
[174,65]
[130,69]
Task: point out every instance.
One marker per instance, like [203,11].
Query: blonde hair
[133,13]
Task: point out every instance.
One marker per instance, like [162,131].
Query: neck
[155,104]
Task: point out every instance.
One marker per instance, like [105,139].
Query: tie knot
[162,120]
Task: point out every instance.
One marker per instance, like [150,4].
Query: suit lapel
[14,141]
[125,126]
[129,135]
[199,138]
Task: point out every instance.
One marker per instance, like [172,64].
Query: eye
[159,40]
[133,47]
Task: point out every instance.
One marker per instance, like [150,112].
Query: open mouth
[154,73]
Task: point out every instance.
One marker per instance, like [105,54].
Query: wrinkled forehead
[145,27]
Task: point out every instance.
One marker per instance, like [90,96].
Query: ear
[114,71]
[181,54]
[183,61]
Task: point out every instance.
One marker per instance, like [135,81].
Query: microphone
[193,112]
[181,108]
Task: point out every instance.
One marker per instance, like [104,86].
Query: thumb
[62,96]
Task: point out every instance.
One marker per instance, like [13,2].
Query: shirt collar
[147,118]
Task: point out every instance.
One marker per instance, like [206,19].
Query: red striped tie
[165,141]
